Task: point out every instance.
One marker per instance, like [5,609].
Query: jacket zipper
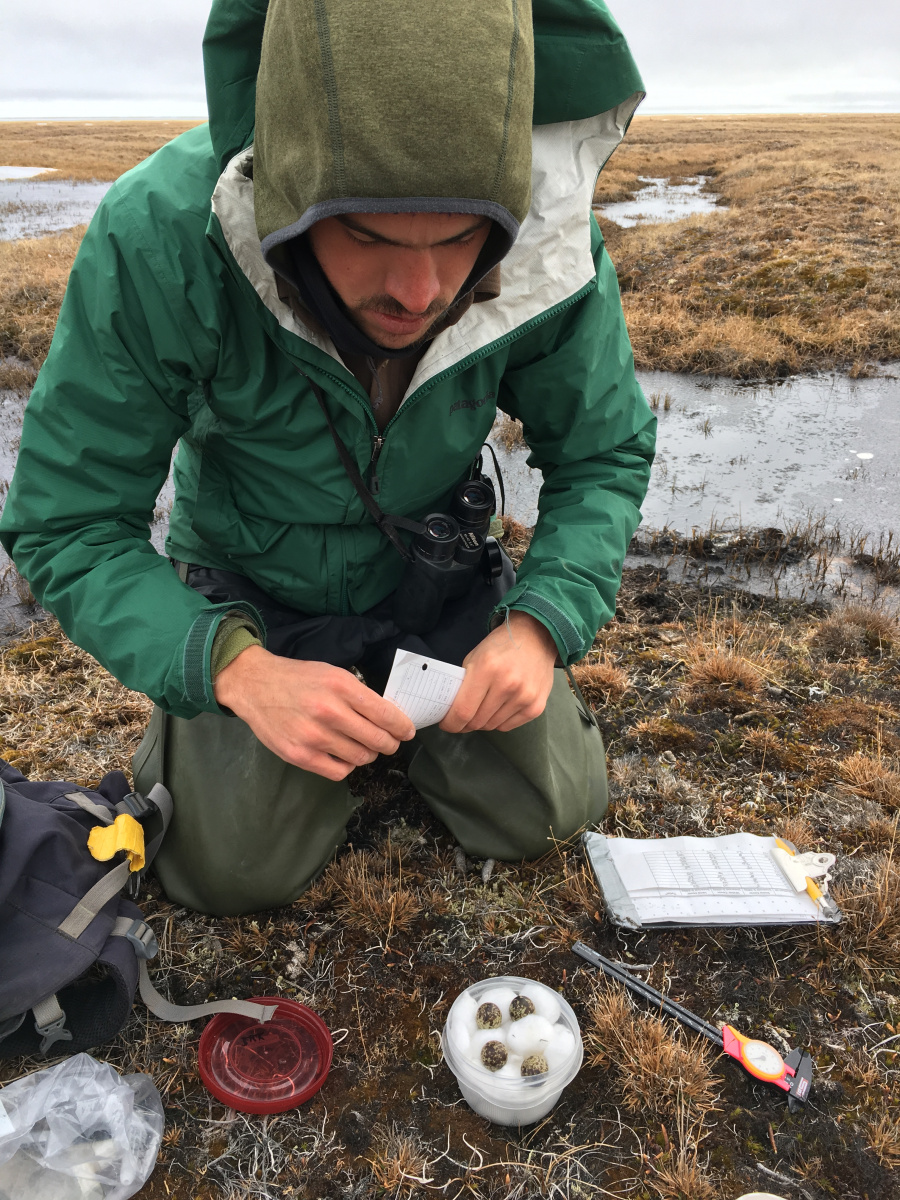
[374,481]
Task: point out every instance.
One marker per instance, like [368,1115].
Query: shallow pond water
[732,457]
[31,209]
[659,200]
[730,454]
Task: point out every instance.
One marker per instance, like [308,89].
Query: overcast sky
[118,58]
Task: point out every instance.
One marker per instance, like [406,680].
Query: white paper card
[423,688]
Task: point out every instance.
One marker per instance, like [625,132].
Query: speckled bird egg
[488,1015]
[478,1039]
[534,1064]
[494,1055]
[521,1006]
[530,1035]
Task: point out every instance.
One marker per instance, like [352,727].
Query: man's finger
[347,749]
[468,700]
[326,766]
[383,713]
[367,733]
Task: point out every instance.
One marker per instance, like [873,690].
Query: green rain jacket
[172,332]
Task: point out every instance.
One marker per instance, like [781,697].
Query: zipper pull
[374,481]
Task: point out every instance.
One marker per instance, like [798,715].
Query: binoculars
[449,553]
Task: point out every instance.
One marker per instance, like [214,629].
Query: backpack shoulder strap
[145,946]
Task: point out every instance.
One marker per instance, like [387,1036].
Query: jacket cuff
[197,674]
[562,629]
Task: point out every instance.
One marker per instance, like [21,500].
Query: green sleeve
[591,433]
[109,406]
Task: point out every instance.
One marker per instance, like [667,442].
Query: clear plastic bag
[78,1131]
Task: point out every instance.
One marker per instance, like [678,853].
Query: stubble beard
[390,307]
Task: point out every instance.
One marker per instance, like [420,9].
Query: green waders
[251,832]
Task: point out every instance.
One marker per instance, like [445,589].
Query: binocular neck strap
[387,524]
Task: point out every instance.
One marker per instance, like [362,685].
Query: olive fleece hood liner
[393,106]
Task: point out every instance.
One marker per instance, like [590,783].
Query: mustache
[390,307]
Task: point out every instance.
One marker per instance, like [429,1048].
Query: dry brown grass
[508,432]
[658,1067]
[601,682]
[61,715]
[766,748]
[662,733]
[84,149]
[796,828]
[883,1136]
[722,671]
[856,629]
[399,1162]
[870,930]
[799,272]
[871,779]
[681,1176]
[369,897]
[33,275]
[516,538]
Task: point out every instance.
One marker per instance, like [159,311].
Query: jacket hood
[582,65]
[392,106]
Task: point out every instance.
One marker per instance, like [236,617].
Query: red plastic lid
[268,1067]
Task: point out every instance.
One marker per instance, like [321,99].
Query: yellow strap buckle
[126,834]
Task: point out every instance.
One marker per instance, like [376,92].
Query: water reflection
[660,200]
[757,456]
[32,209]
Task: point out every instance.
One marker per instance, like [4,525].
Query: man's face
[398,273]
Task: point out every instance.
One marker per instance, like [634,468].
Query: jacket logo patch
[473,403]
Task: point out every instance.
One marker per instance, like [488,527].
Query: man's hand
[508,678]
[313,715]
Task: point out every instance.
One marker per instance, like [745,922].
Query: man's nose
[413,280]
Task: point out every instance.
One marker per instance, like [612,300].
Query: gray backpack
[73,945]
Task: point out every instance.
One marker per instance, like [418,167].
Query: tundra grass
[84,149]
[797,272]
[721,712]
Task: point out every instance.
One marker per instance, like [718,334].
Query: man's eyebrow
[350,222]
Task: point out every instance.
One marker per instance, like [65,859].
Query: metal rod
[645,990]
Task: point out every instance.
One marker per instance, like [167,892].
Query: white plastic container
[506,1098]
